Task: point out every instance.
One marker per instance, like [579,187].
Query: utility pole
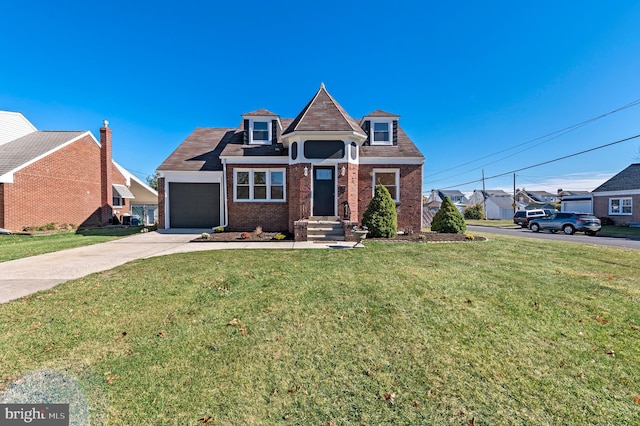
[484,197]
[514,194]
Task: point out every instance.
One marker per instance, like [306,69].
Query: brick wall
[161,198]
[410,207]
[63,187]
[246,216]
[601,209]
[298,193]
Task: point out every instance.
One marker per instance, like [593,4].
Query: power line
[555,134]
[546,162]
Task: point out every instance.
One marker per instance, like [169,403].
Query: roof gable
[14,125]
[323,113]
[626,180]
[23,151]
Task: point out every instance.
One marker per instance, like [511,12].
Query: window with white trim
[390,179]
[620,206]
[381,133]
[117,201]
[260,132]
[259,185]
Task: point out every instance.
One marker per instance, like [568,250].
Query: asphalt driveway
[22,277]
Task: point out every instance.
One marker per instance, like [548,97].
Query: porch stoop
[325,228]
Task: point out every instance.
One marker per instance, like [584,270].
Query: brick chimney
[106,171]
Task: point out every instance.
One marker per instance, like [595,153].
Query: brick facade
[161,199]
[247,216]
[410,206]
[601,209]
[64,188]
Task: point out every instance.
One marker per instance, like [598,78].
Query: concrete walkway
[22,277]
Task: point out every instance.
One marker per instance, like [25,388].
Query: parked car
[523,217]
[567,223]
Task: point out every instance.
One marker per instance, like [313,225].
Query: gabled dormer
[261,127]
[381,128]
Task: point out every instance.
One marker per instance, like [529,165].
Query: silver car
[567,223]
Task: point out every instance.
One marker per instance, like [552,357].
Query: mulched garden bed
[222,237]
[424,237]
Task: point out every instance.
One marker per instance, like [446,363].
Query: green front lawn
[17,246]
[508,331]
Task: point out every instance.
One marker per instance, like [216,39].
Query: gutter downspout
[225,221]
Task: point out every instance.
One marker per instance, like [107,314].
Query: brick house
[317,170]
[619,198]
[63,177]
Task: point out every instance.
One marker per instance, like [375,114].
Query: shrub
[204,236]
[219,229]
[381,217]
[280,237]
[448,219]
[474,212]
[606,221]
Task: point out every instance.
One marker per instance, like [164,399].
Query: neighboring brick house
[294,175]
[619,198]
[63,177]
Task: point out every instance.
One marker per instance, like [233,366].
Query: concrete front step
[324,228]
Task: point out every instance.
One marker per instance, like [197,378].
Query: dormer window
[381,132]
[260,132]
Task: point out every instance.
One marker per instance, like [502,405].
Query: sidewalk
[22,277]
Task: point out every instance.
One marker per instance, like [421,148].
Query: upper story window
[260,132]
[381,133]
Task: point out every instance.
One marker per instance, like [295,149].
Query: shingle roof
[323,113]
[258,113]
[201,150]
[405,148]
[626,180]
[23,150]
[380,113]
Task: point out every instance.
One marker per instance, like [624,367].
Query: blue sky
[469,79]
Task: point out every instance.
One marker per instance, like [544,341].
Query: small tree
[448,219]
[474,212]
[381,217]
[152,181]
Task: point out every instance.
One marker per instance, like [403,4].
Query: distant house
[528,197]
[64,177]
[299,175]
[576,201]
[619,198]
[437,195]
[497,204]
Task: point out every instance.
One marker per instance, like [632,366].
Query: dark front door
[324,185]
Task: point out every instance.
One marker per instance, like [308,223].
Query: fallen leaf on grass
[234,321]
[390,397]
[205,420]
[162,334]
[610,352]
[601,320]
[636,400]
[243,331]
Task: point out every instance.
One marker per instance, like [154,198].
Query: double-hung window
[381,133]
[260,132]
[390,179]
[620,206]
[259,185]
